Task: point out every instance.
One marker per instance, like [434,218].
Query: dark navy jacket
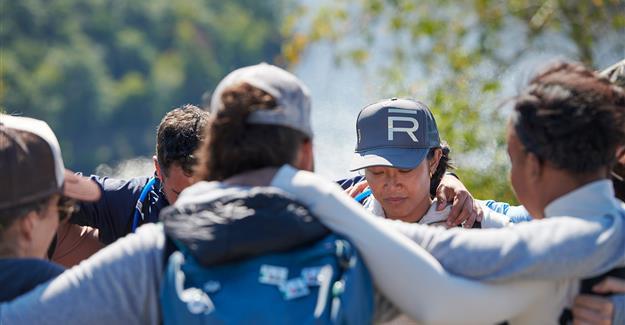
[113,214]
[20,275]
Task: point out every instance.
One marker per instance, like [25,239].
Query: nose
[391,181]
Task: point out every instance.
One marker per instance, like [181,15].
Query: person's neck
[558,183]
[10,251]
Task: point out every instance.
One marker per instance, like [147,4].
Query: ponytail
[234,146]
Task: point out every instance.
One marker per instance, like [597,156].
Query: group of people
[236,181]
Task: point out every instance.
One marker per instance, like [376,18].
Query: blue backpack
[323,283]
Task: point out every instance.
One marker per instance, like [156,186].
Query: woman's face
[403,193]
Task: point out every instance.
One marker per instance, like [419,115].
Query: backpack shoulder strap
[138,215]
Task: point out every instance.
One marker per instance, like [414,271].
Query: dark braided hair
[571,117]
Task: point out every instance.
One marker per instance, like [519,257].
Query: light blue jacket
[515,213]
[587,224]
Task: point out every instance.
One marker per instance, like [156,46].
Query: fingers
[459,210]
[610,285]
[589,309]
[479,211]
[465,211]
[354,190]
[476,212]
[441,197]
[447,190]
[471,220]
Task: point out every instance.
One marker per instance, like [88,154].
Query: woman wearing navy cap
[404,160]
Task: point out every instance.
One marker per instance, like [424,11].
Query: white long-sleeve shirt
[583,237]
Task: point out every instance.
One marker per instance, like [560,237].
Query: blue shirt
[515,213]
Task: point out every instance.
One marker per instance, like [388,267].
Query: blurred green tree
[104,72]
[454,55]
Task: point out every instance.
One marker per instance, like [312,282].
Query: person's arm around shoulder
[563,247]
[112,213]
[117,285]
[394,262]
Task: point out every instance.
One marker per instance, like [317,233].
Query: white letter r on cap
[410,131]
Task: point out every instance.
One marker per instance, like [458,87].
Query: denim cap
[291,95]
[394,133]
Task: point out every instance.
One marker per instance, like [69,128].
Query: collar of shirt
[593,199]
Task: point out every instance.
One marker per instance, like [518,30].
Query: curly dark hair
[178,137]
[571,117]
[234,146]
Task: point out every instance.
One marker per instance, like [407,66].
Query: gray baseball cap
[291,95]
[394,133]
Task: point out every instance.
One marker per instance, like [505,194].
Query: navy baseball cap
[394,133]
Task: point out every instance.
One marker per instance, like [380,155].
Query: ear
[305,159]
[535,168]
[157,167]
[433,163]
[27,225]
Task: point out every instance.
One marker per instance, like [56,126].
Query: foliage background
[103,73]
[461,58]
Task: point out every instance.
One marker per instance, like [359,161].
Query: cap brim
[388,157]
[80,188]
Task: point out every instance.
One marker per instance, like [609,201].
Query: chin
[396,217]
